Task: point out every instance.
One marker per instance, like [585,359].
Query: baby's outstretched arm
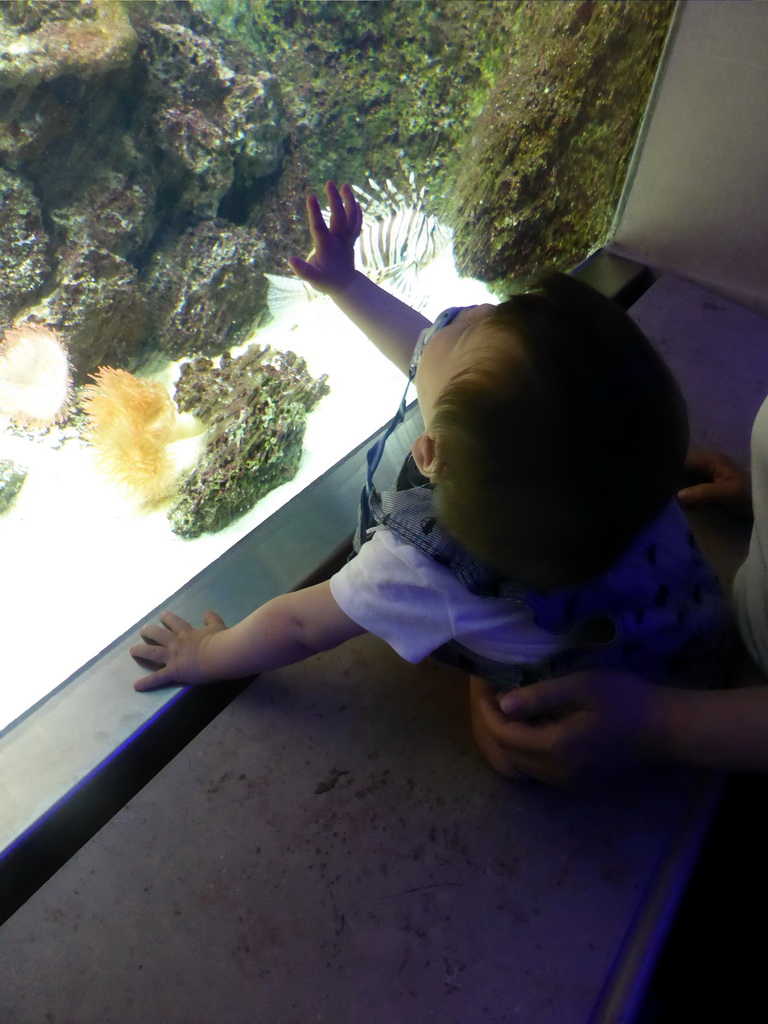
[284,630]
[392,325]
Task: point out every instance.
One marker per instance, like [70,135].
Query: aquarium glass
[165,382]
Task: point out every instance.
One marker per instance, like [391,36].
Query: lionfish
[398,240]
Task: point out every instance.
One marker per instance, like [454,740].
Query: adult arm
[590,724]
[392,325]
[721,481]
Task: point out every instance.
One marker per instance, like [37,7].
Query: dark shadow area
[712,966]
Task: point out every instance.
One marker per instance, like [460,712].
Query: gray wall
[696,201]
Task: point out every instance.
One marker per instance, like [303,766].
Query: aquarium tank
[166,384]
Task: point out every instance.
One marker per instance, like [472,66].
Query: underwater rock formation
[23,255]
[131,423]
[205,289]
[35,381]
[98,304]
[122,128]
[375,89]
[541,178]
[520,117]
[114,212]
[41,42]
[212,124]
[12,477]
[255,407]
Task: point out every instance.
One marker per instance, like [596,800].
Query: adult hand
[179,648]
[724,483]
[573,729]
[331,266]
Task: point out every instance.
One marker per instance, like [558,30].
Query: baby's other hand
[723,482]
[331,266]
[178,647]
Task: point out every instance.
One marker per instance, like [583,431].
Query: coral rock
[206,289]
[549,153]
[219,130]
[256,409]
[116,141]
[114,214]
[98,302]
[83,39]
[23,255]
[255,126]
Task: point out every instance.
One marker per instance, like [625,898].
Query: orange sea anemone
[132,423]
[34,376]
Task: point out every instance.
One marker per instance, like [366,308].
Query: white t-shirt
[395,590]
[750,588]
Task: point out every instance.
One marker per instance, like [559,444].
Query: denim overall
[658,610]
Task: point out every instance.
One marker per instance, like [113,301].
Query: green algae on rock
[42,41]
[548,156]
[215,128]
[519,117]
[255,408]
[205,289]
[12,477]
[122,131]
[24,262]
[132,133]
[97,305]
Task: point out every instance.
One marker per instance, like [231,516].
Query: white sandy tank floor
[332,848]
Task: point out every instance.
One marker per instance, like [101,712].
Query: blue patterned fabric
[658,609]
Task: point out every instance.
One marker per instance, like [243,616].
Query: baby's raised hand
[178,647]
[331,266]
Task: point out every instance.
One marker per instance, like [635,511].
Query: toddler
[532,530]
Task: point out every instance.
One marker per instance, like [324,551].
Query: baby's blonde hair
[555,452]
